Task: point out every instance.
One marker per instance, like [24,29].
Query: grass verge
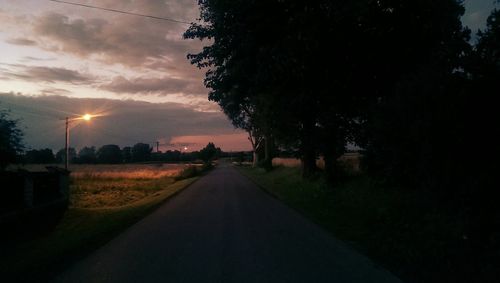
[81,231]
[399,229]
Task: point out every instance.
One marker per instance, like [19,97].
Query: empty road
[223,228]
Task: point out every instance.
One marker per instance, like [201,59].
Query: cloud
[21,41]
[164,85]
[44,74]
[126,40]
[55,91]
[49,74]
[123,122]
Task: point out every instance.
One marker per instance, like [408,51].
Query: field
[104,186]
[104,200]
[350,161]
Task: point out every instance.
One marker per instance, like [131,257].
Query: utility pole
[66,160]
[157,146]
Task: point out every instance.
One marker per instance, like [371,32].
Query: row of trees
[401,79]
[110,154]
[398,78]
[113,154]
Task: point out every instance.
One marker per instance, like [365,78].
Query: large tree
[265,70]
[109,154]
[87,155]
[141,152]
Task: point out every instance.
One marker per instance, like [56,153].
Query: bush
[188,172]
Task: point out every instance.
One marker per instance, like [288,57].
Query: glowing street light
[86,117]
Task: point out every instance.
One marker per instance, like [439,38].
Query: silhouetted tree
[141,152]
[208,153]
[42,156]
[109,154]
[87,155]
[11,138]
[127,154]
[61,155]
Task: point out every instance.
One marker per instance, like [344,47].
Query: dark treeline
[401,79]
[113,154]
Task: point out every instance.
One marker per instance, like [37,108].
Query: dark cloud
[124,123]
[44,74]
[49,74]
[21,41]
[163,85]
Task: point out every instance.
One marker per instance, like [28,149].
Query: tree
[141,152]
[253,73]
[208,153]
[109,154]
[61,155]
[11,140]
[127,154]
[407,86]
[87,155]
[42,156]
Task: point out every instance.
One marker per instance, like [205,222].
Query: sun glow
[87,117]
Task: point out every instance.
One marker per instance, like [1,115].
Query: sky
[59,60]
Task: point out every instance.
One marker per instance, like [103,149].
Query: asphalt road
[223,228]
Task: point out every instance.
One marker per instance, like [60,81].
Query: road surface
[223,228]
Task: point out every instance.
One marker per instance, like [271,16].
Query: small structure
[25,196]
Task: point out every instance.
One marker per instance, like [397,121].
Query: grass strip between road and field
[80,231]
[394,227]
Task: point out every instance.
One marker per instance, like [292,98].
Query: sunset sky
[59,60]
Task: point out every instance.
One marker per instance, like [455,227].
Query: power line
[121,12]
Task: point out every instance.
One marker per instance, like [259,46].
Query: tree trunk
[268,153]
[255,162]
[308,148]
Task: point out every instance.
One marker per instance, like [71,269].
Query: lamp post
[85,117]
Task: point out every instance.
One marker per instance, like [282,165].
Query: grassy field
[105,200]
[350,161]
[399,229]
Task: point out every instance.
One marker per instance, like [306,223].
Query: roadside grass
[100,209]
[400,229]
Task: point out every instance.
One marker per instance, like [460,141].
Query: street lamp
[86,117]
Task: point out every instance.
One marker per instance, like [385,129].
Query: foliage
[141,152]
[209,152]
[127,154]
[109,154]
[188,172]
[87,155]
[61,155]
[11,140]
[42,156]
